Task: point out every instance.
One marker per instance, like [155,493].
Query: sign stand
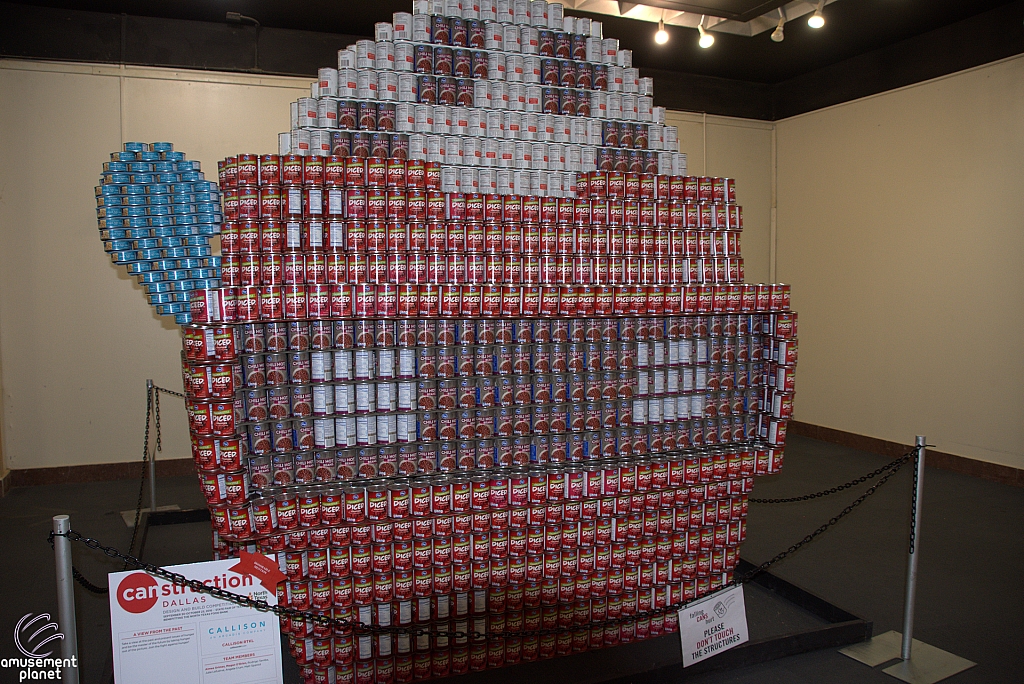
[919,663]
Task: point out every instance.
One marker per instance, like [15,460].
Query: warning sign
[713,625]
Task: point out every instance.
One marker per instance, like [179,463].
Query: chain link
[86,584]
[156,410]
[145,469]
[164,390]
[895,464]
[361,628]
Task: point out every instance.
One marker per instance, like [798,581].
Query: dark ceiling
[866,46]
[738,10]
[853,27]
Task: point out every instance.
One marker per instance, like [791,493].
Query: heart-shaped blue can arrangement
[156,215]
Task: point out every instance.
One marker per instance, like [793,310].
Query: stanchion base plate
[129,516]
[927,663]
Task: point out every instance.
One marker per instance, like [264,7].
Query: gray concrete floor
[970,596]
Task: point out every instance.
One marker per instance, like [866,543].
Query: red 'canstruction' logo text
[137,592]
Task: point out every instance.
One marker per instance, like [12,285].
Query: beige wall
[901,229]
[77,338]
[740,149]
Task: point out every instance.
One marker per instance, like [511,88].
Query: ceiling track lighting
[777,35]
[817,20]
[661,37]
[706,39]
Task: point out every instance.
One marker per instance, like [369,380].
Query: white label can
[401,26]
[514,68]
[383,30]
[486,181]
[468,180]
[494,35]
[327,113]
[529,40]
[346,59]
[529,126]
[510,38]
[328,79]
[471,151]
[347,83]
[407,86]
[404,57]
[365,54]
[556,18]
[488,10]
[387,85]
[384,55]
[490,152]
[420,28]
[496,66]
[539,13]
[533,98]
[476,122]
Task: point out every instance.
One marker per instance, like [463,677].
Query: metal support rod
[65,598]
[908,603]
[151,398]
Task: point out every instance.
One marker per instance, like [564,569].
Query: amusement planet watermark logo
[35,637]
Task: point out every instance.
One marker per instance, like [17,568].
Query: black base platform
[783,620]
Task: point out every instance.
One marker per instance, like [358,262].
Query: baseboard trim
[5,483]
[96,472]
[938,459]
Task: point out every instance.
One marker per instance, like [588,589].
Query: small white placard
[167,634]
[713,625]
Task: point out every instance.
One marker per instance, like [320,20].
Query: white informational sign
[713,625]
[163,633]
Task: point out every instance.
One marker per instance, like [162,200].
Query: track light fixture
[777,35]
[817,20]
[706,39]
[661,37]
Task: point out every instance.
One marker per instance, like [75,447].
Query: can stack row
[156,215]
[354,399]
[322,238]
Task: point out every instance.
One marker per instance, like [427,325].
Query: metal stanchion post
[65,597]
[915,522]
[927,664]
[150,397]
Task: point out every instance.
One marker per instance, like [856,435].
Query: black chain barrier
[361,628]
[896,463]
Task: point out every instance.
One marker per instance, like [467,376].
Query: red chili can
[490,300]
[342,296]
[387,300]
[429,300]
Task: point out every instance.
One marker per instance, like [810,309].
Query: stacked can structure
[499,466]
[453,384]
[156,214]
[513,98]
